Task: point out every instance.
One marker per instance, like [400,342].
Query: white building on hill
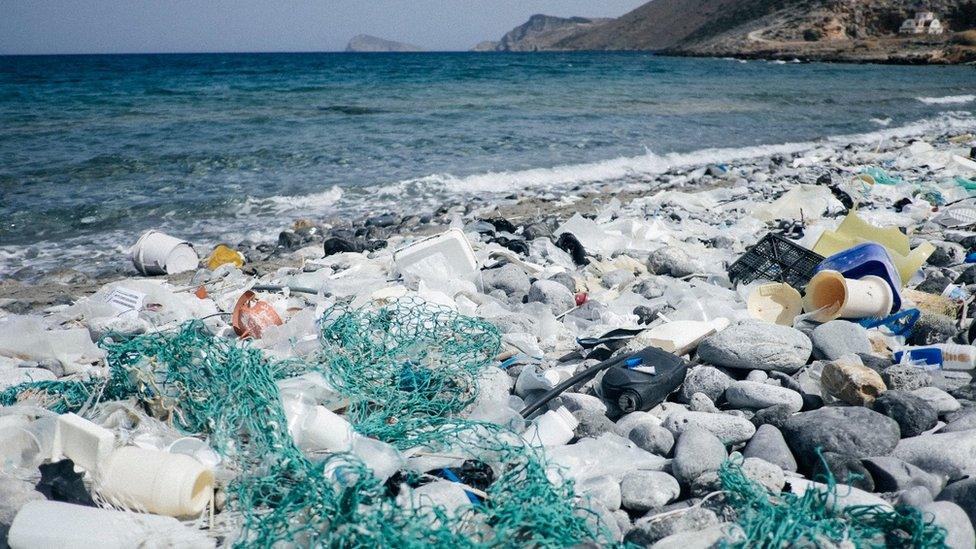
[924,22]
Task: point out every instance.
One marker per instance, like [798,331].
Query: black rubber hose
[296,289]
[561,388]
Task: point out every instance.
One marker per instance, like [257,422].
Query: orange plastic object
[251,316]
[201,292]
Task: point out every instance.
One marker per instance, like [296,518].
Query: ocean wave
[947,100]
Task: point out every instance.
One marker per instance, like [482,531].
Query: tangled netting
[409,371]
[817,518]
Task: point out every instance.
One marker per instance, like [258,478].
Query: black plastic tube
[561,388]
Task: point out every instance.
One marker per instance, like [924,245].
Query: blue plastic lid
[931,355]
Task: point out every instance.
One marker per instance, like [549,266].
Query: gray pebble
[701,403]
[755,396]
[729,429]
[891,474]
[768,444]
[509,278]
[756,345]
[953,518]
[942,401]
[647,490]
[697,451]
[705,379]
[552,294]
[652,438]
[852,431]
[834,339]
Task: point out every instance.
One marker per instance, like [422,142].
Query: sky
[143,26]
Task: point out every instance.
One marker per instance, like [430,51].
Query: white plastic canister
[159,253]
[155,481]
[316,428]
[553,428]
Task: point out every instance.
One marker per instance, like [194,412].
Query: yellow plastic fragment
[222,255]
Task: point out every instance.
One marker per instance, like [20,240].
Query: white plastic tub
[157,253]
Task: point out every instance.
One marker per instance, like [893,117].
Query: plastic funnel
[833,296]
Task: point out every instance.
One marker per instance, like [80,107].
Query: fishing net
[816,519]
[409,372]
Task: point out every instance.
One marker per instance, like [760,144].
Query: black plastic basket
[778,259]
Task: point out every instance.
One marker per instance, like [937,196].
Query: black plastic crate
[778,259]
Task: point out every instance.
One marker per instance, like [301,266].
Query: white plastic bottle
[954,356]
[316,428]
[553,428]
[155,481]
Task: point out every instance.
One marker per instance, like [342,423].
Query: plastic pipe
[156,482]
[553,428]
[56,525]
[831,296]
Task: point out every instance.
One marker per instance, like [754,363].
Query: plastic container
[158,253]
[251,316]
[866,259]
[447,255]
[679,334]
[196,449]
[156,482]
[831,296]
[553,428]
[644,380]
[82,441]
[317,429]
[56,525]
[777,303]
[950,356]
[778,259]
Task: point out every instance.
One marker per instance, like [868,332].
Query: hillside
[540,32]
[367,43]
[837,30]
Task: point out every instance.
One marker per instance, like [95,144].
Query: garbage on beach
[800,202]
[157,253]
[224,255]
[778,303]
[830,295]
[252,316]
[445,256]
[775,258]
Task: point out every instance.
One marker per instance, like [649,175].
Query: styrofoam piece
[83,442]
[778,303]
[553,428]
[678,334]
[837,297]
[155,481]
[56,525]
[159,253]
[447,255]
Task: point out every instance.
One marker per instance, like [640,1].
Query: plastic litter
[224,255]
[832,296]
[643,381]
[56,525]
[81,441]
[157,253]
[155,481]
[445,256]
[252,316]
[778,303]
[806,202]
[778,259]
[866,259]
[950,356]
[553,428]
[682,334]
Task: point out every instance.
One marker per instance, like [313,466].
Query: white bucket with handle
[159,253]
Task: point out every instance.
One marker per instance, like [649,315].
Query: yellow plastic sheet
[222,255]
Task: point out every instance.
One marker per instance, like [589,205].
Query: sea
[216,148]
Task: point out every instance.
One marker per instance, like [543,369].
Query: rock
[905,377]
[566,280]
[702,539]
[673,261]
[845,469]
[768,444]
[935,282]
[603,489]
[592,424]
[618,277]
[916,496]
[939,399]
[964,422]
[952,455]
[953,518]
[552,294]
[765,473]
[579,401]
[729,429]
[14,494]
[705,379]
[697,451]
[785,381]
[701,403]
[834,339]
[568,243]
[756,345]
[335,245]
[932,329]
[853,431]
[652,438]
[647,531]
[754,396]
[536,230]
[946,254]
[510,279]
[891,474]
[913,414]
[757,375]
[646,490]
[774,415]
[633,419]
[851,382]
[963,494]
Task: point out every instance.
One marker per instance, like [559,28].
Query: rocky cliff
[367,43]
[540,32]
[839,30]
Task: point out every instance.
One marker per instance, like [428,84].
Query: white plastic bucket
[837,297]
[159,253]
[156,481]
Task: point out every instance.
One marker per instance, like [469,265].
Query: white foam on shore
[947,100]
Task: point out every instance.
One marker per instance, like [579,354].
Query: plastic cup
[833,297]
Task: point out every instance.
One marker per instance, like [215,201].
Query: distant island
[882,31]
[367,43]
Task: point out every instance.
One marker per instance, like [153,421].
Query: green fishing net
[817,519]
[409,372]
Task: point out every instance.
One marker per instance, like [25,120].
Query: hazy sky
[114,26]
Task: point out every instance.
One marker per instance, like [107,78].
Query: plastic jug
[643,381]
[156,482]
[866,259]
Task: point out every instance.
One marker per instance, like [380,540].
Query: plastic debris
[224,255]
[157,253]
